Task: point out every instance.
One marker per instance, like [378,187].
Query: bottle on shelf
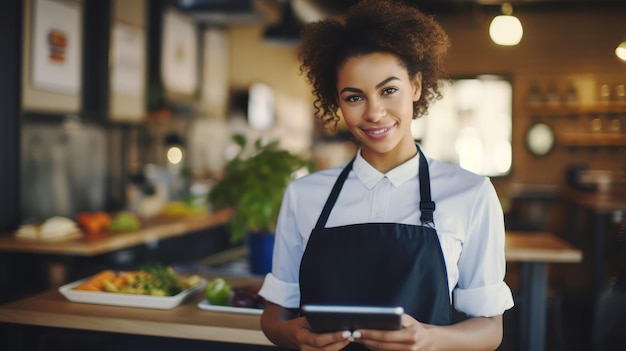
[571,95]
[534,95]
[552,95]
[620,93]
[605,93]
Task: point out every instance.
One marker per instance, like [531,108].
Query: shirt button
[385,180]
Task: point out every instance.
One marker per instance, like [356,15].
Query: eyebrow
[355,90]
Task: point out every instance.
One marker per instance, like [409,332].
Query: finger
[328,340]
[408,321]
[376,338]
[375,345]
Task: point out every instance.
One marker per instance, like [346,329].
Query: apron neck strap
[427,206]
[334,194]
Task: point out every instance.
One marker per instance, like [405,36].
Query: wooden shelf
[151,231]
[566,109]
[593,139]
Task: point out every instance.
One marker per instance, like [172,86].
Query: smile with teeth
[378,132]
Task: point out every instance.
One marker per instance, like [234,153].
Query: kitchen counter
[50,309]
[169,240]
[186,321]
[152,231]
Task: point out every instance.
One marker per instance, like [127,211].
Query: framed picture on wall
[56,46]
[214,84]
[128,72]
[179,54]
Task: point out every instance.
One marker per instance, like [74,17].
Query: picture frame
[56,40]
[179,64]
[128,72]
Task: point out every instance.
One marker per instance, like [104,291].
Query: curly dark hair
[367,27]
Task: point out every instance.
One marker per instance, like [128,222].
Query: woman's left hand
[412,336]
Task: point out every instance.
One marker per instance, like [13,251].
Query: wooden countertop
[51,309]
[154,230]
[185,321]
[539,247]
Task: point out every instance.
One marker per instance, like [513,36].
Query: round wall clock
[540,139]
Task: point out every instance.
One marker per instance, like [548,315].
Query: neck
[384,162]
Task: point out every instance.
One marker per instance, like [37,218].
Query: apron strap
[334,194]
[427,206]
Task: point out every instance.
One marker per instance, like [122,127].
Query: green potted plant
[253,186]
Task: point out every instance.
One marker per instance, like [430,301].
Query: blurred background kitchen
[126,105]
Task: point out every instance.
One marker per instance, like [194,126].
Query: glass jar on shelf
[595,123]
[604,93]
[620,93]
[615,123]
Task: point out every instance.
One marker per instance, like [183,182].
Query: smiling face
[376,98]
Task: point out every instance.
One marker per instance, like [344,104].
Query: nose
[374,110]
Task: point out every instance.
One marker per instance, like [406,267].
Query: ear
[416,84]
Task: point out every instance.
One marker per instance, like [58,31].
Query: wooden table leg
[532,328]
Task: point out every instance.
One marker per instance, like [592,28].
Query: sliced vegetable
[154,279]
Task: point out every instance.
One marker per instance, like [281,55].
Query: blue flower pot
[260,251]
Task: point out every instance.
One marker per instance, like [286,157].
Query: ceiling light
[506,29]
[620,51]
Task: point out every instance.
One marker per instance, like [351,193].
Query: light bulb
[174,155]
[506,30]
[620,51]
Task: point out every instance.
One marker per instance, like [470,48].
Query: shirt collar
[370,176]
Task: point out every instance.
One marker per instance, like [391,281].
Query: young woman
[392,227]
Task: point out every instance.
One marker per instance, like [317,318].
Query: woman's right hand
[285,329]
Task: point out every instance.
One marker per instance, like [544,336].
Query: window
[471,125]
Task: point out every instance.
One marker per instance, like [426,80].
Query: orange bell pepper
[93,223]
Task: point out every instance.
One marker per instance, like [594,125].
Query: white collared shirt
[468,219]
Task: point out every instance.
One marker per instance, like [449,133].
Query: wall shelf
[593,135]
[568,109]
[593,139]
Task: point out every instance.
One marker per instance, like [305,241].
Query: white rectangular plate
[128,300]
[206,305]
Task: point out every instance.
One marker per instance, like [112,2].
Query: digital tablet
[331,318]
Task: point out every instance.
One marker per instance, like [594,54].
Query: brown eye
[353,98]
[390,90]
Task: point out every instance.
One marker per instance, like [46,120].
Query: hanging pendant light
[620,51]
[506,29]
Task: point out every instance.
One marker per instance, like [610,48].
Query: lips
[378,133]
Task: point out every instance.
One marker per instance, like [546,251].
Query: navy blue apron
[378,264]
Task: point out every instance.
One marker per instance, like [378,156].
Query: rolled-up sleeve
[280,292]
[485,301]
[481,290]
